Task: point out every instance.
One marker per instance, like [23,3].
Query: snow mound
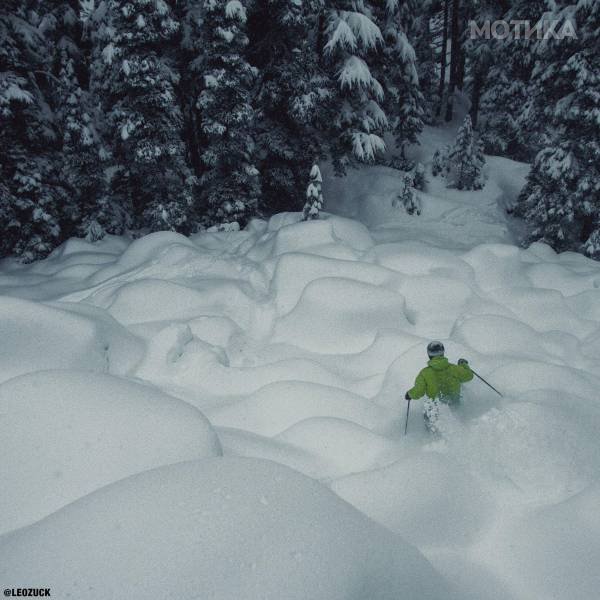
[176,356]
[555,551]
[543,446]
[36,337]
[428,499]
[336,315]
[238,442]
[513,338]
[216,331]
[296,236]
[496,266]
[299,341]
[67,433]
[147,248]
[346,446]
[78,246]
[425,294]
[530,375]
[544,310]
[295,271]
[157,300]
[222,529]
[586,305]
[374,360]
[287,233]
[418,258]
[565,278]
[276,407]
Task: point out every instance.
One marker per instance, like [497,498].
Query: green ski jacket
[441,379]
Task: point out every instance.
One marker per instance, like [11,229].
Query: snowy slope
[223,529]
[298,341]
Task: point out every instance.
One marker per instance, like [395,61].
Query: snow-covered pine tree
[427,39]
[439,162]
[81,168]
[407,196]
[230,179]
[396,69]
[190,54]
[314,195]
[547,203]
[510,121]
[561,201]
[478,52]
[456,24]
[294,98]
[32,201]
[133,74]
[353,39]
[466,159]
[15,95]
[418,173]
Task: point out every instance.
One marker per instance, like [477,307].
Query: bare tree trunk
[460,67]
[443,59]
[476,96]
[321,37]
[454,58]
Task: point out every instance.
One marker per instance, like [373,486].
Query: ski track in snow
[297,341]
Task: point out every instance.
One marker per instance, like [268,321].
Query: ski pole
[487,383]
[407,411]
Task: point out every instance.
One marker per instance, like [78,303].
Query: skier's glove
[463,361]
[407,396]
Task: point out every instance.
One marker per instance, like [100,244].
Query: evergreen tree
[510,117]
[353,40]
[32,201]
[294,99]
[466,159]
[403,101]
[230,179]
[84,159]
[314,196]
[81,171]
[455,33]
[439,162]
[479,52]
[133,74]
[561,201]
[407,196]
[190,53]
[419,180]
[429,37]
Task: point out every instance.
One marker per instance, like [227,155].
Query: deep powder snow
[295,343]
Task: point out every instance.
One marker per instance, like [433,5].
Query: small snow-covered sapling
[314,195]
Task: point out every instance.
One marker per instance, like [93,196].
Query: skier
[440,381]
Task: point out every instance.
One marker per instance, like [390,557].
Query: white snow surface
[224,528]
[67,433]
[294,342]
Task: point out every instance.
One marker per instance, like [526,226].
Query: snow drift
[224,529]
[298,341]
[67,433]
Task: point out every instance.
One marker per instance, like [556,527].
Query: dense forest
[147,115]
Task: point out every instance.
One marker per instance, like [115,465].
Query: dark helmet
[435,349]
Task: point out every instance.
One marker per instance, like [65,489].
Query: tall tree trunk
[320,41]
[454,57]
[460,67]
[443,59]
[476,96]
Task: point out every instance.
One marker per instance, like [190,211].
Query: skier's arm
[420,388]
[463,371]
